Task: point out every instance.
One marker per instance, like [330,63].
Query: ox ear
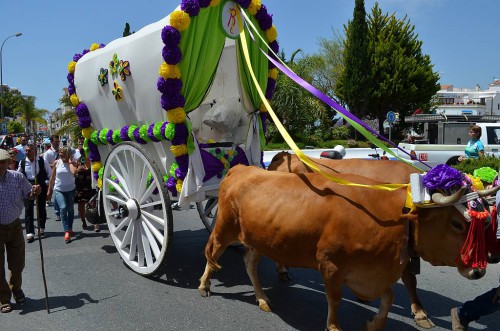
[490,191]
[443,200]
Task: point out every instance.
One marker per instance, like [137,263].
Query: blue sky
[458,35]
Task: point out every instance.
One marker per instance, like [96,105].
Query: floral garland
[82,111]
[170,83]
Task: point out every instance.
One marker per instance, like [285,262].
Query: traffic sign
[4,127]
[391,117]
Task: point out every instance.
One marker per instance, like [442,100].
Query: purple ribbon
[318,94]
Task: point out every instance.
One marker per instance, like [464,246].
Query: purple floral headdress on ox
[443,177]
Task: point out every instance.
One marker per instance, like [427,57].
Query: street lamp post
[2,117]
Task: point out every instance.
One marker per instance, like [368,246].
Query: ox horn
[443,200]
[486,192]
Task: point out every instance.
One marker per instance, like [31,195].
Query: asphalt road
[91,289]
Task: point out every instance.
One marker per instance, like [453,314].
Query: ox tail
[209,254]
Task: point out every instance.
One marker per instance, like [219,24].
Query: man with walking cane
[14,187]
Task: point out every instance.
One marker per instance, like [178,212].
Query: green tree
[403,77]
[69,120]
[28,113]
[295,107]
[126,30]
[11,99]
[15,127]
[353,84]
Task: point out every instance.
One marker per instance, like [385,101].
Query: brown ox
[381,170]
[362,251]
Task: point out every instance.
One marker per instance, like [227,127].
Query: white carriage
[132,97]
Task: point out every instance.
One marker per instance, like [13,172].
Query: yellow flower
[176,115]
[271,34]
[178,150]
[476,181]
[180,20]
[86,132]
[96,166]
[71,67]
[263,108]
[179,185]
[169,71]
[74,100]
[99,183]
[254,6]
[214,3]
[94,46]
[273,73]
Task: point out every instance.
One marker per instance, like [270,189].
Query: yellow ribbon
[302,157]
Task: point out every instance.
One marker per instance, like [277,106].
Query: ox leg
[333,289]
[379,320]
[410,281]
[251,258]
[283,272]
[213,252]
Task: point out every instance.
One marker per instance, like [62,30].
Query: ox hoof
[263,305]
[492,259]
[204,292]
[423,321]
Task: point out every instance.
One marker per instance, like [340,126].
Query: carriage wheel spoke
[153,217]
[120,175]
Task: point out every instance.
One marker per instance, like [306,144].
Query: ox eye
[459,227]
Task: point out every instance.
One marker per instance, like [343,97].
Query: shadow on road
[58,303]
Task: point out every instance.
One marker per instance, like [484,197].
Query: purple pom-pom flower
[137,137]
[171,54]
[124,133]
[172,101]
[170,36]
[271,85]
[171,186]
[170,86]
[84,122]
[82,110]
[151,133]
[180,174]
[181,134]
[244,3]
[109,137]
[183,161]
[77,57]
[71,89]
[71,78]
[192,7]
[443,177]
[204,3]
[274,46]
[263,18]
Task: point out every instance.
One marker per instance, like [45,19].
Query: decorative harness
[471,206]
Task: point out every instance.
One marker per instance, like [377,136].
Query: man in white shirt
[34,169]
[49,157]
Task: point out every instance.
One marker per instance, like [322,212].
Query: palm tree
[28,113]
[69,120]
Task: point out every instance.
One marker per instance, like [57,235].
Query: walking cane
[38,231]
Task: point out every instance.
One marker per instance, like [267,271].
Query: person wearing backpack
[31,171]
